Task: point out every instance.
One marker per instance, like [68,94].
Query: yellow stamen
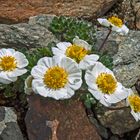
[116,21]
[8,63]
[76,52]
[56,77]
[134,101]
[106,83]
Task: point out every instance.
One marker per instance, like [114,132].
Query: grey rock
[118,121]
[112,43]
[127,60]
[114,138]
[42,20]
[2,113]
[30,35]
[9,129]
[11,132]
[102,131]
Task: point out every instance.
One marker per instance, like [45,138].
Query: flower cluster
[59,76]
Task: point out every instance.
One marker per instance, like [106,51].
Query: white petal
[3,52]
[11,51]
[116,28]
[16,72]
[58,52]
[7,52]
[91,81]
[69,65]
[5,79]
[70,92]
[98,68]
[28,85]
[59,94]
[111,98]
[120,94]
[135,115]
[48,61]
[81,43]
[37,83]
[63,45]
[21,59]
[75,83]
[104,22]
[88,61]
[43,91]
[123,30]
[38,71]
[102,101]
[98,95]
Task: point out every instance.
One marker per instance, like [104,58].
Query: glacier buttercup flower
[79,51]
[12,65]
[103,85]
[133,101]
[56,78]
[115,23]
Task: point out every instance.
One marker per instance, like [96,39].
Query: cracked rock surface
[9,129]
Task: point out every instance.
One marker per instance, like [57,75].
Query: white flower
[28,85]
[133,101]
[12,65]
[116,24]
[56,78]
[78,51]
[103,85]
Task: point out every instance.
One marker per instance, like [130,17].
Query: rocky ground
[35,33]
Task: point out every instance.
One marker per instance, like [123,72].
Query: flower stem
[105,40]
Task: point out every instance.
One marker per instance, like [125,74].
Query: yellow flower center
[76,52]
[134,101]
[106,83]
[115,21]
[56,77]
[8,63]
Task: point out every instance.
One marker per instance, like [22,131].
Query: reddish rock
[58,120]
[19,10]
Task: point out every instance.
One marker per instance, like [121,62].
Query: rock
[126,65]
[127,70]
[114,138]
[26,35]
[102,131]
[19,10]
[112,43]
[133,12]
[128,11]
[42,20]
[62,120]
[9,129]
[114,119]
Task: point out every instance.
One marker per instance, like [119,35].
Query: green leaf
[107,61]
[66,28]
